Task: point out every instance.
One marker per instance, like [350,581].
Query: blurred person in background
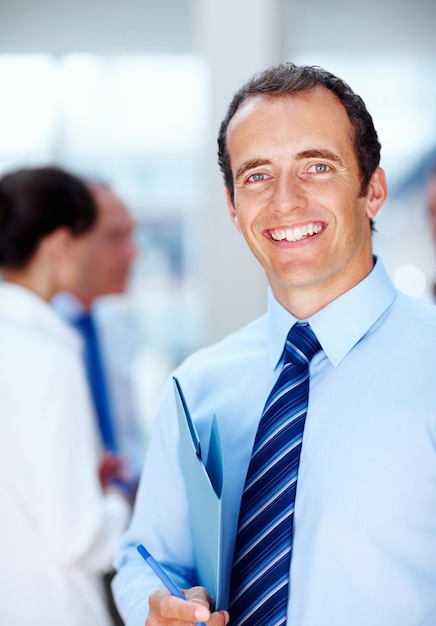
[109,333]
[62,509]
[108,329]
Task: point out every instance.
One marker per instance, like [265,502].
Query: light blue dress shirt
[365,520]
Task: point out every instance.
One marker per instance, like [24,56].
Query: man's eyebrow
[248,165]
[320,153]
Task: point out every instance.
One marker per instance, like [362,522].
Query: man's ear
[377,192]
[232,210]
[58,243]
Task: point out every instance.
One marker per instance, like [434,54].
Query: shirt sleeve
[160,522]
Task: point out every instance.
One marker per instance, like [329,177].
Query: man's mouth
[296,234]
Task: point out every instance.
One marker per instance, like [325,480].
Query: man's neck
[303,302]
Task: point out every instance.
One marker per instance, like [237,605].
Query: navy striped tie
[260,574]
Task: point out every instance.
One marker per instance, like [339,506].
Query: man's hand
[168,610]
[111,468]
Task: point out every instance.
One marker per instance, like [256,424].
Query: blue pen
[162,575]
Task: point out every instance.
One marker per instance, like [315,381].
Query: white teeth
[296,234]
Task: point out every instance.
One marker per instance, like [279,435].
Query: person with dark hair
[62,512]
[110,335]
[325,405]
[111,339]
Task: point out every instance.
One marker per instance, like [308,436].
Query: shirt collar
[68,306]
[20,304]
[340,324]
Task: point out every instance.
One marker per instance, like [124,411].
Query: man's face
[108,250]
[431,203]
[297,195]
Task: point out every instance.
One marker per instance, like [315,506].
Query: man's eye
[257,177]
[319,168]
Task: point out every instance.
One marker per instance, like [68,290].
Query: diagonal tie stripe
[260,573]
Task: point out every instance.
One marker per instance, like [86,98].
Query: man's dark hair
[33,203]
[289,79]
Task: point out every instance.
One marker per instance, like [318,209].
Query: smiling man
[329,491]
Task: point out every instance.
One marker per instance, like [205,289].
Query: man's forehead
[313,118]
[255,101]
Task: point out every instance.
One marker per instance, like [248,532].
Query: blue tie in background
[96,378]
[260,574]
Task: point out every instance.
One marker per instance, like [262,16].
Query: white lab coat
[58,529]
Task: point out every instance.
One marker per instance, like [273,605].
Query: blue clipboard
[204,483]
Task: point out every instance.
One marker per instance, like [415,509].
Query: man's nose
[288,194]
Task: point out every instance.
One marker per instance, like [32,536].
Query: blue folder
[204,482]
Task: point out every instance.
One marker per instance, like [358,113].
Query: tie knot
[301,344]
[84,322]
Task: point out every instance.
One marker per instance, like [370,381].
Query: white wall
[236,37]
[103,26]
[372,26]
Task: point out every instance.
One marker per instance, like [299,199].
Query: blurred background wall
[133,91]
